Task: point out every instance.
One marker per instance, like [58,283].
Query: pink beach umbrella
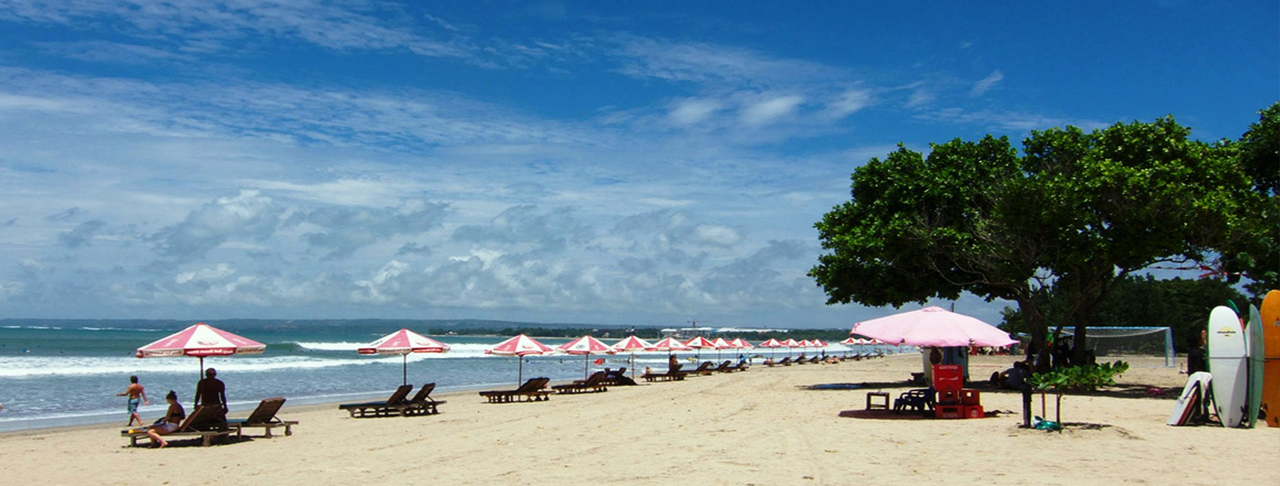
[520,346]
[586,346]
[200,340]
[932,326]
[403,342]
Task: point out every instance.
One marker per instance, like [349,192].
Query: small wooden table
[883,403]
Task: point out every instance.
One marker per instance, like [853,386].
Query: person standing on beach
[211,392]
[136,395]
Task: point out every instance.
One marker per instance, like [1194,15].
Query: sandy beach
[763,426]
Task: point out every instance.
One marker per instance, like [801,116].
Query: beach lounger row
[203,423]
[533,390]
[398,404]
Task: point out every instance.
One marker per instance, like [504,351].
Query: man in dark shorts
[211,392]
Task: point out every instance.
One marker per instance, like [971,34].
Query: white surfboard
[1227,362]
[1192,395]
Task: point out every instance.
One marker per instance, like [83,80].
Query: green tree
[1078,210]
[1257,253]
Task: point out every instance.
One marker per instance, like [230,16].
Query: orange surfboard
[1270,312]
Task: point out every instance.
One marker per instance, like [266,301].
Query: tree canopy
[1075,209]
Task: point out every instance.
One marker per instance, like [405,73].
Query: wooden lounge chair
[672,374]
[422,403]
[703,369]
[741,366]
[785,362]
[264,417]
[592,384]
[617,378]
[724,367]
[531,391]
[378,408]
[186,429]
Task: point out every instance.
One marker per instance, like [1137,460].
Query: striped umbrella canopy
[849,341]
[773,345]
[670,345]
[520,346]
[739,343]
[791,344]
[586,346]
[200,340]
[698,343]
[719,344]
[632,344]
[403,342]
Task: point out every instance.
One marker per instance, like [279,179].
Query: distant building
[692,332]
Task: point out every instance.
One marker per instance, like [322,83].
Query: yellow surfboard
[1270,313]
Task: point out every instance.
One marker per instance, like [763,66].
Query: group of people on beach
[210,392]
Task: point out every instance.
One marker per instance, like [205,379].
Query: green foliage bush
[1079,378]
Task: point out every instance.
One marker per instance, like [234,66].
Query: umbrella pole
[586,365]
[520,375]
[404,371]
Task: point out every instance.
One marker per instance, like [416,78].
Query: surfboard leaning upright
[1227,356]
[1254,346]
[1271,375]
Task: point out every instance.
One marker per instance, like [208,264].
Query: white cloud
[848,103]
[921,95]
[771,109]
[692,111]
[247,215]
[985,84]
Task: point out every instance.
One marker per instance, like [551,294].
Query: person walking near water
[136,395]
[211,392]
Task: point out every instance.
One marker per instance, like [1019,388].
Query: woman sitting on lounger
[171,421]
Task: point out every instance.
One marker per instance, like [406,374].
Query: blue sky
[648,163]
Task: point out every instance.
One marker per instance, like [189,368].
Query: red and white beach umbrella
[520,346]
[632,344]
[403,342]
[806,343]
[698,343]
[773,345]
[586,346]
[739,343]
[791,344]
[818,343]
[719,344]
[200,340]
[670,345]
[849,341]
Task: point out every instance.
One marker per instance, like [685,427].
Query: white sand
[757,427]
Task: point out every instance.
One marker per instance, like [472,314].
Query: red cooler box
[948,378]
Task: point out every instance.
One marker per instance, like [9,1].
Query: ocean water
[55,375]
